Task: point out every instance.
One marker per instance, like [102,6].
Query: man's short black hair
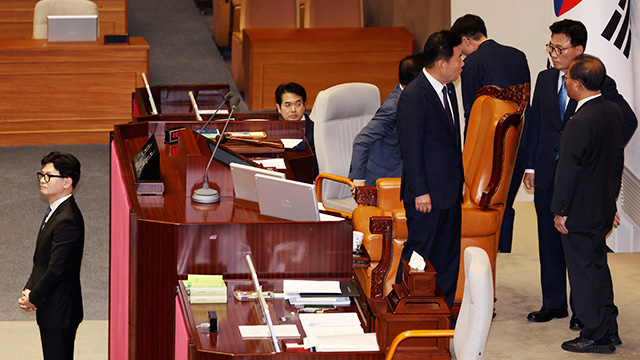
[292,88]
[410,67]
[573,29]
[66,164]
[440,46]
[589,70]
[471,26]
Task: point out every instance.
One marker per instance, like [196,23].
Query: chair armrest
[366,196]
[412,334]
[382,225]
[372,242]
[321,177]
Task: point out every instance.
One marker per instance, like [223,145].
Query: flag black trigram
[625,30]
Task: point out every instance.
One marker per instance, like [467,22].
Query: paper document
[211,111]
[290,143]
[311,286]
[277,163]
[262,331]
[354,342]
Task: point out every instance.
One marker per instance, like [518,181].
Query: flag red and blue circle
[562,6]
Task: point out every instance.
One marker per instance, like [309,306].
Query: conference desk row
[156,240]
[67,93]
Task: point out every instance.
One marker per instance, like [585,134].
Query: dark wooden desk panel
[16,17]
[174,99]
[75,91]
[228,343]
[321,58]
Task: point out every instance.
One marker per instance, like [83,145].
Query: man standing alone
[587,183]
[53,289]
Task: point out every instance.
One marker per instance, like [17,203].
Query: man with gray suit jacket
[376,152]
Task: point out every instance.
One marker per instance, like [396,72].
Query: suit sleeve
[532,128]
[411,134]
[67,237]
[380,126]
[470,86]
[572,147]
[610,92]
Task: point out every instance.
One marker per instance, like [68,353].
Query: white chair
[474,321]
[339,113]
[45,8]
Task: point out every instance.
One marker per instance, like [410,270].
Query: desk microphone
[195,106]
[206,195]
[226,98]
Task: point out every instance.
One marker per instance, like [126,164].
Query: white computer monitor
[244,182]
[72,27]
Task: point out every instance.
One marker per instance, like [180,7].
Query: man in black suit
[432,174]
[53,289]
[550,110]
[490,63]
[587,183]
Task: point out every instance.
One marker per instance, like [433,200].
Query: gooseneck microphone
[206,195]
[195,106]
[226,98]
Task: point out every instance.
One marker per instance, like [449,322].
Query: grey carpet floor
[21,211]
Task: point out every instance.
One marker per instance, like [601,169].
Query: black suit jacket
[492,64]
[544,128]
[55,276]
[589,172]
[431,151]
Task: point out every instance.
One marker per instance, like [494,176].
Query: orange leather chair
[493,138]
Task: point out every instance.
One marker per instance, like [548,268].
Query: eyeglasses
[47,177]
[558,50]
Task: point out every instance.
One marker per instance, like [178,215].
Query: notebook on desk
[288,199]
[72,27]
[244,182]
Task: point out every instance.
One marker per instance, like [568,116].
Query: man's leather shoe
[545,315]
[575,323]
[614,339]
[584,345]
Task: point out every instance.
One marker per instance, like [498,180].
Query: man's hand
[616,220]
[356,183]
[528,180]
[423,203]
[560,223]
[24,302]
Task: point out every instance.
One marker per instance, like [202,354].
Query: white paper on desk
[211,111]
[327,217]
[277,163]
[330,319]
[293,288]
[262,331]
[320,300]
[290,143]
[353,342]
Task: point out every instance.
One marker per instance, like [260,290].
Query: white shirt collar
[583,101]
[55,205]
[437,85]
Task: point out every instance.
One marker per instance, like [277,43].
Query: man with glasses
[549,112]
[53,289]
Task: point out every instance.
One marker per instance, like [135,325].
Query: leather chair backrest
[334,14]
[271,14]
[389,194]
[339,113]
[493,137]
[45,8]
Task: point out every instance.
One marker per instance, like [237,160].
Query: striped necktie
[562,98]
[44,219]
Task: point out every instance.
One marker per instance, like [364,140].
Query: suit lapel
[47,226]
[434,98]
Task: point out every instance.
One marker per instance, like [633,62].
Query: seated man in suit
[291,100]
[376,152]
[53,289]
[490,63]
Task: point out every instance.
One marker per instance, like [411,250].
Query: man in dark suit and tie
[376,152]
[587,183]
[490,63]
[53,289]
[432,174]
[550,110]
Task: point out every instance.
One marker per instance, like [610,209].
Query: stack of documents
[336,332]
[314,292]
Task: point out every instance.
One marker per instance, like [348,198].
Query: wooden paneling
[16,17]
[320,58]
[74,91]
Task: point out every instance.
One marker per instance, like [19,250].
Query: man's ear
[67,183]
[278,108]
[580,49]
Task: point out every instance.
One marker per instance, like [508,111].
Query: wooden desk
[16,17]
[67,93]
[321,58]
[157,240]
[174,99]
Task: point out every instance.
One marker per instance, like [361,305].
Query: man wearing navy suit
[550,110]
[432,174]
[376,152]
[587,183]
[53,289]
[490,63]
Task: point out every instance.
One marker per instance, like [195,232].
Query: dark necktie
[446,107]
[45,218]
[562,98]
